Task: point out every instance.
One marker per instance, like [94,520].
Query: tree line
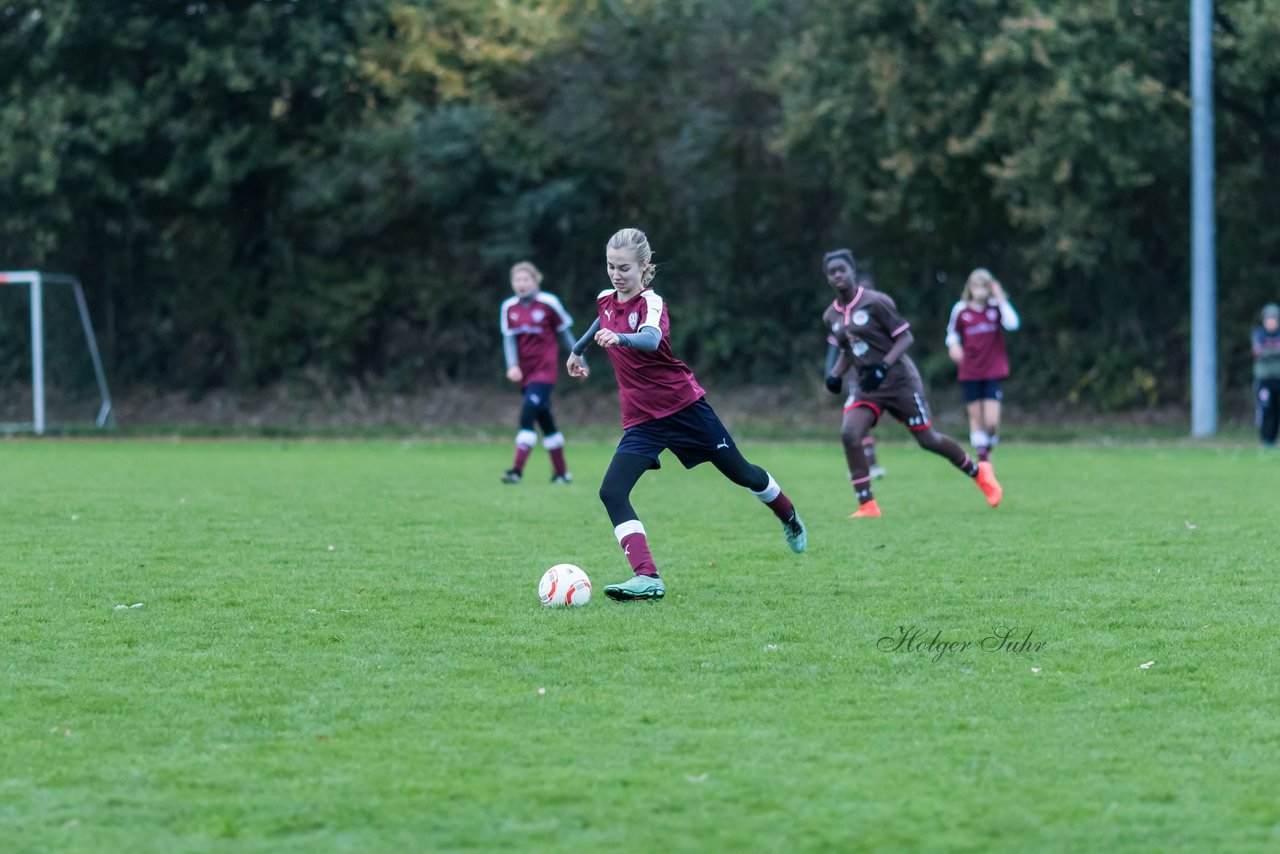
[254,191]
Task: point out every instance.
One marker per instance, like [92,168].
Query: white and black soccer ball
[564,584]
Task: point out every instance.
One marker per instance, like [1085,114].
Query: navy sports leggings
[625,470]
[537,408]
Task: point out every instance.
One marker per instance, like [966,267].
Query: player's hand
[956,352]
[870,376]
[832,383]
[515,374]
[577,366]
[606,338]
[997,291]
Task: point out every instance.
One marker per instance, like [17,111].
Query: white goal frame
[35,282]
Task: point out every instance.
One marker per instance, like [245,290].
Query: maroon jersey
[866,328]
[650,385]
[981,332]
[536,326]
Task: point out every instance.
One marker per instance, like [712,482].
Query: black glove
[870,376]
[833,383]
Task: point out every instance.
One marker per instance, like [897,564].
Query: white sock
[769,492]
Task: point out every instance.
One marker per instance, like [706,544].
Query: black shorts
[974,390]
[694,434]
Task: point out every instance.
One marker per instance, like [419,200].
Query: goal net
[51,373]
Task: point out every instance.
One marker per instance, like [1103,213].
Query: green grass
[273,694]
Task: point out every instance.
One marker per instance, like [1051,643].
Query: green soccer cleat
[797,539]
[637,587]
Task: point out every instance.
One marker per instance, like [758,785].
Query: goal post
[35,282]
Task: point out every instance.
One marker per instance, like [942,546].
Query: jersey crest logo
[860,318]
[538,314]
[860,349]
[633,319]
[992,314]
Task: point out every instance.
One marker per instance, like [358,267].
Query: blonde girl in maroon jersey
[663,409]
[975,341]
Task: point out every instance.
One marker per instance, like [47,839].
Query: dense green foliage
[337,649]
[262,190]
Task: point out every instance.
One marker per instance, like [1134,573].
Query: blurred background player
[1266,374]
[663,408]
[975,342]
[874,338]
[533,324]
[876,470]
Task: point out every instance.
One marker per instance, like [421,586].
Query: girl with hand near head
[975,342]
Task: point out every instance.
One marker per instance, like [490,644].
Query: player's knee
[851,438]
[926,438]
[612,494]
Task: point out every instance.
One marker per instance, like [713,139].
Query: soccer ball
[564,584]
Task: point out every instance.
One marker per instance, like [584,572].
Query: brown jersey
[865,329]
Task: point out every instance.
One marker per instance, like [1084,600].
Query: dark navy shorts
[538,395]
[980,390]
[694,434]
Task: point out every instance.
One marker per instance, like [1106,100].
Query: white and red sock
[635,547]
[776,500]
[555,449]
[525,440]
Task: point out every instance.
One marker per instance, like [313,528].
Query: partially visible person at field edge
[1266,374]
[663,408]
[533,324]
[874,339]
[975,342]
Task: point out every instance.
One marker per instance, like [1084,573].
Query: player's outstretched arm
[580,346]
[576,364]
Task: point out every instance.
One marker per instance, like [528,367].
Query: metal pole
[37,355]
[1204,339]
[104,413]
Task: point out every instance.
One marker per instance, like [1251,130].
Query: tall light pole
[1204,286]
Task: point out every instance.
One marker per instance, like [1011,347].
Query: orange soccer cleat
[868,510]
[988,484]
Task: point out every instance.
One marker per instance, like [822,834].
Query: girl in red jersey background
[533,324]
[975,342]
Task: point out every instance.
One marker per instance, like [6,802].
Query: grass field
[339,648]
